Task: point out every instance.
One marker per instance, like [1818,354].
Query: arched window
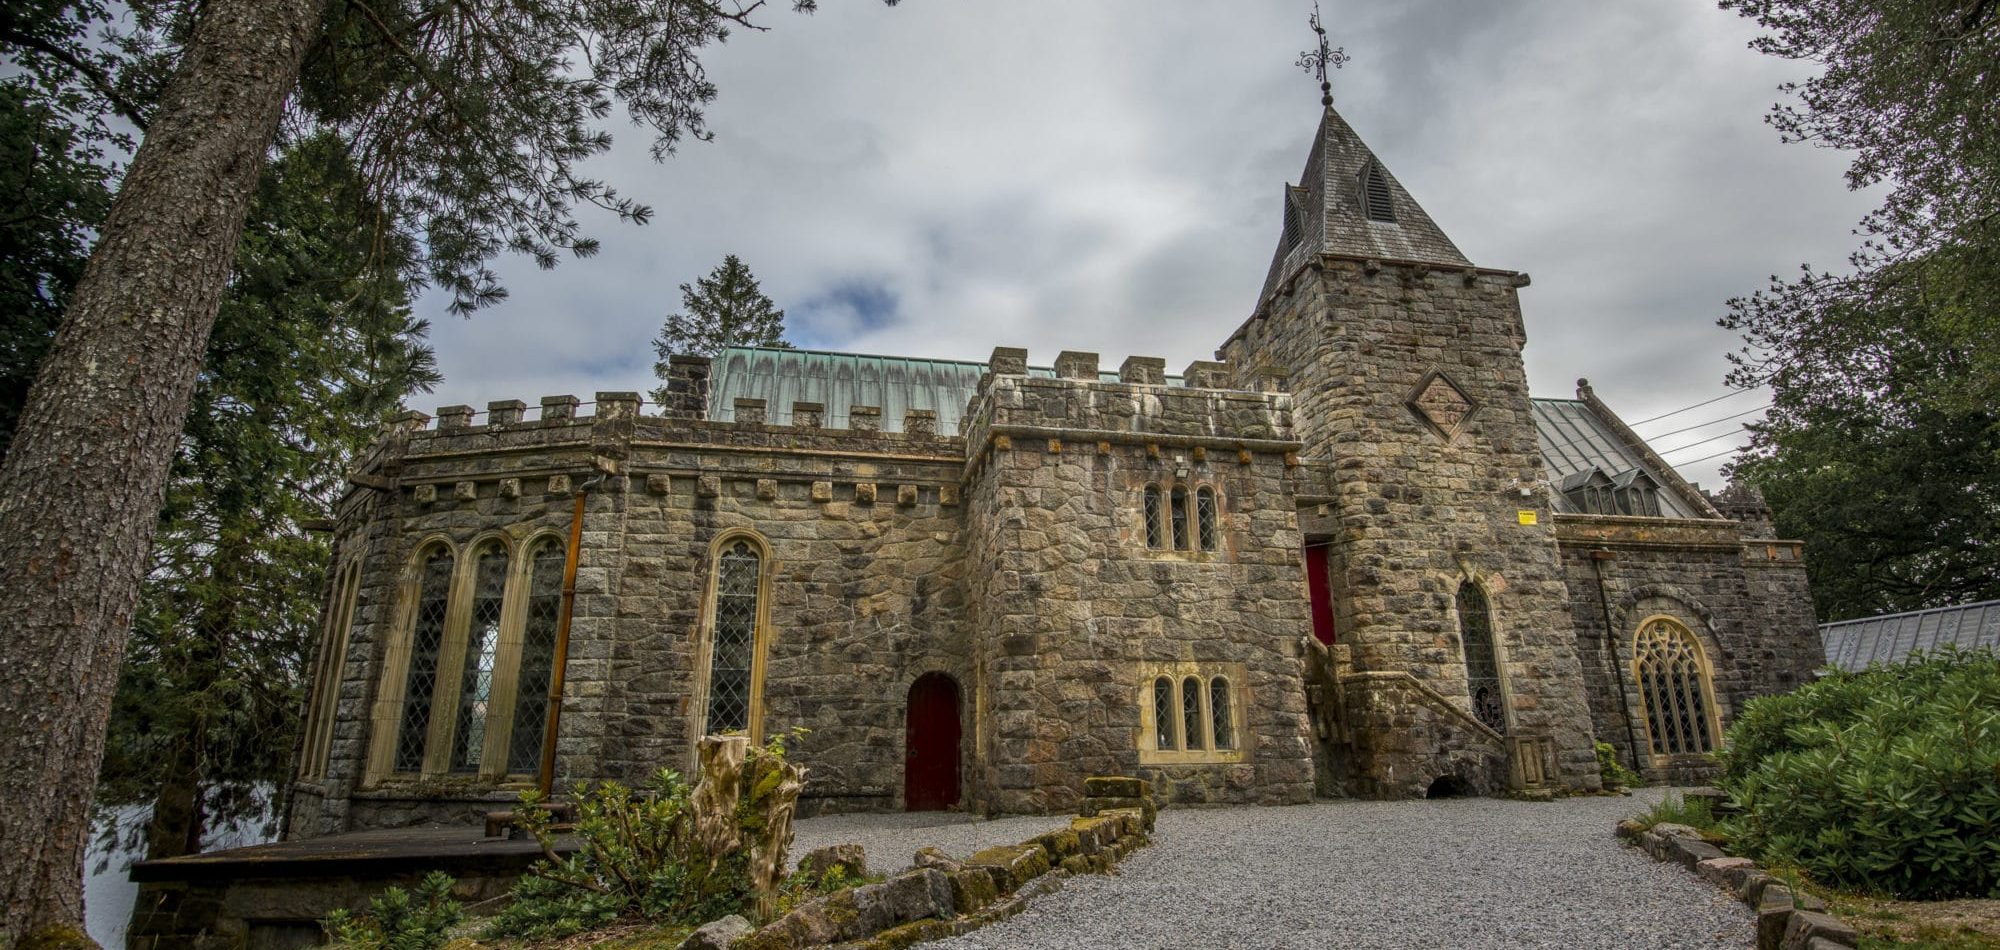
[1204,518]
[1376,200]
[1482,667]
[426,638]
[538,651]
[1221,724]
[339,620]
[482,651]
[1191,731]
[732,700]
[1155,538]
[1163,714]
[1674,688]
[1180,518]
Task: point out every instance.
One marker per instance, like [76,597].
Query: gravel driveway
[1459,873]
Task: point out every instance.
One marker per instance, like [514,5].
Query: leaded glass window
[538,651]
[1154,539]
[1191,712]
[1163,713]
[1204,517]
[733,650]
[1221,725]
[1673,688]
[327,676]
[1482,667]
[482,648]
[1180,519]
[426,637]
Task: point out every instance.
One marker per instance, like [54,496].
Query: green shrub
[1679,810]
[1886,780]
[396,921]
[1612,771]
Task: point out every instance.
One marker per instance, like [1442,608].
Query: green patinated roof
[841,380]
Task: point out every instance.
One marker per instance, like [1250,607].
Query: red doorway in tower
[931,744]
[1319,590]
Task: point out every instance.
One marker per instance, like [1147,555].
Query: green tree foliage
[399,920]
[726,308]
[1882,447]
[1882,780]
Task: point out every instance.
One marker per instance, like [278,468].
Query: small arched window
[1163,714]
[739,572]
[426,639]
[1221,724]
[1376,198]
[1204,518]
[1674,688]
[538,653]
[1191,729]
[1482,667]
[1180,519]
[1154,531]
[482,650]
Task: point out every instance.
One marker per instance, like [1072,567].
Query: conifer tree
[726,308]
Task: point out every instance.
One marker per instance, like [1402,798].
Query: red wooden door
[931,737]
[1319,590]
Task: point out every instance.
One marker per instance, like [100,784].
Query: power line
[1726,435]
[1715,456]
[1704,425]
[1698,405]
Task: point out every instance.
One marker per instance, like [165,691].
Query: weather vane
[1318,61]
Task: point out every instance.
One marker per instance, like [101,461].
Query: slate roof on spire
[1325,211]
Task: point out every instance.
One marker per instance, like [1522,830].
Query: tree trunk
[82,483]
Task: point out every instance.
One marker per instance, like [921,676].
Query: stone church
[1350,557]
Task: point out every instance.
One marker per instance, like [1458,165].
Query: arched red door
[930,747]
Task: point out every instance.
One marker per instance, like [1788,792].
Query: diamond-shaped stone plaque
[1442,404]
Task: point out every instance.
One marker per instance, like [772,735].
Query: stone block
[408,421]
[1206,374]
[822,491]
[454,417]
[767,489]
[948,496]
[1008,361]
[912,895]
[865,418]
[750,412]
[1076,864]
[1630,829]
[617,405]
[424,494]
[558,485]
[660,484]
[1668,829]
[1011,865]
[716,934]
[972,889]
[510,488]
[1076,364]
[556,408]
[1774,915]
[505,412]
[1061,843]
[864,493]
[1143,371]
[465,491]
[1751,889]
[1117,786]
[906,496]
[1141,817]
[1807,927]
[929,857]
[708,486]
[808,415]
[819,861]
[920,423]
[1718,871]
[1692,851]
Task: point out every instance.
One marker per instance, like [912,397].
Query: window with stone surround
[1204,518]
[1155,531]
[327,668]
[1482,664]
[737,622]
[1177,519]
[1189,714]
[473,658]
[1180,518]
[1676,691]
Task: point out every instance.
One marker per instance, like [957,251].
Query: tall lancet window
[1482,666]
[1376,199]
[482,651]
[733,645]
[1674,688]
[426,639]
[538,656]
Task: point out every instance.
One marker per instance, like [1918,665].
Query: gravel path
[892,840]
[1462,873]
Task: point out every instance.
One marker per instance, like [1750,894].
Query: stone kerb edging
[941,897]
[1785,920]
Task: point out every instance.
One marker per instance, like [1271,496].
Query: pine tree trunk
[82,483]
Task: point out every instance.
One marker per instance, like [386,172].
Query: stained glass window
[1204,517]
[1180,519]
[1191,712]
[1153,527]
[426,636]
[1482,667]
[1220,723]
[1673,689]
[482,647]
[538,651]
[734,647]
[1163,713]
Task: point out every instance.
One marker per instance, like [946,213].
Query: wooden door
[931,744]
[1319,589]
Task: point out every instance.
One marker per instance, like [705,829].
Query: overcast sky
[943,177]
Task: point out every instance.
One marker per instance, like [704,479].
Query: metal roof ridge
[1908,613]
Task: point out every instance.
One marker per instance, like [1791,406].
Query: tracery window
[1674,688]
[327,670]
[538,650]
[1482,666]
[482,651]
[733,646]
[426,639]
[1204,517]
[1155,533]
[1192,717]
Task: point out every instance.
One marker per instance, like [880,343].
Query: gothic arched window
[733,643]
[1222,724]
[538,653]
[1674,688]
[482,653]
[426,639]
[1191,731]
[1482,666]
[1163,714]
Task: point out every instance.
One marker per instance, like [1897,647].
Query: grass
[1679,810]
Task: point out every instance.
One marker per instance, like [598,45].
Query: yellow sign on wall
[1527,517]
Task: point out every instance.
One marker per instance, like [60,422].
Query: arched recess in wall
[1482,658]
[1676,688]
[735,636]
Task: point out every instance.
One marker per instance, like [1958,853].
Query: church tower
[1438,586]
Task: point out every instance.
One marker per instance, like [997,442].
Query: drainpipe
[1597,559]
[547,779]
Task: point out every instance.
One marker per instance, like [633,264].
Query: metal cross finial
[1318,61]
